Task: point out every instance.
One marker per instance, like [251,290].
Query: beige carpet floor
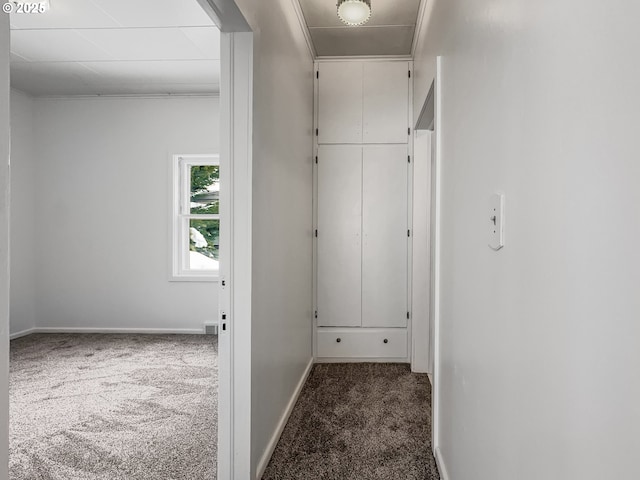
[113,407]
[358,422]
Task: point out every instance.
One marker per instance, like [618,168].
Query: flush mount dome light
[354,12]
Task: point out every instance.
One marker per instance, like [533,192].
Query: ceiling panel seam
[95,45]
[106,13]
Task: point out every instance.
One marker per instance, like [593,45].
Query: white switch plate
[496,221]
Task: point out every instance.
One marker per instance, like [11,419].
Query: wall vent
[211,329]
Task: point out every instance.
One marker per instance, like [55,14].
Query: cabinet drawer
[362,342]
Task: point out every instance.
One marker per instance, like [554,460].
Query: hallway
[364,421]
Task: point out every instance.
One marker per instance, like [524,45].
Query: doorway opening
[114,357]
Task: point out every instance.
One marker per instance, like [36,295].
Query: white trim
[418,30]
[366,58]
[314,213]
[273,442]
[234,342]
[442,468]
[363,27]
[22,333]
[5,241]
[365,144]
[225,369]
[226,15]
[406,360]
[421,309]
[156,96]
[436,246]
[194,278]
[151,331]
[305,28]
[410,224]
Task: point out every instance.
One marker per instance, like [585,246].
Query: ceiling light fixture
[354,12]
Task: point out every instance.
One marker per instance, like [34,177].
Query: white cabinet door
[386,102]
[339,242]
[340,102]
[384,236]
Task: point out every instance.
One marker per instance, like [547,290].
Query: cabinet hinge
[409,131]
[316,132]
[408,233]
[316,233]
[318,74]
[408,316]
[409,158]
[316,159]
[316,314]
[409,73]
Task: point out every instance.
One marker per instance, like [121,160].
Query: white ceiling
[389,31]
[112,47]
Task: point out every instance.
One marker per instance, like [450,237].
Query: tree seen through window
[204,234]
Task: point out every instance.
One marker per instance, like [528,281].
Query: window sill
[194,278]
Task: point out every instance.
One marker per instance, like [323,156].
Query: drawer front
[362,342]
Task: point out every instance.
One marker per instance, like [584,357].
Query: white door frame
[234,337]
[234,344]
[436,196]
[234,405]
[4,244]
[422,334]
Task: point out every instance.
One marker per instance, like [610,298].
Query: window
[196,217]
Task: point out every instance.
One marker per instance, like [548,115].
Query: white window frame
[180,215]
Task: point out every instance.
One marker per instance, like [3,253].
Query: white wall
[103,203]
[282,214]
[4,245]
[540,360]
[24,246]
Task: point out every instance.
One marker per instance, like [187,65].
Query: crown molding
[305,28]
[364,58]
[419,22]
[158,96]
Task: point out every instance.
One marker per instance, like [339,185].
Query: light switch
[496,221]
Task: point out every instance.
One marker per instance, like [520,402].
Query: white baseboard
[266,456]
[444,475]
[23,333]
[157,331]
[360,360]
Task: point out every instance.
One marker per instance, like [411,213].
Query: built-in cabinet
[385,239]
[363,102]
[339,236]
[363,232]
